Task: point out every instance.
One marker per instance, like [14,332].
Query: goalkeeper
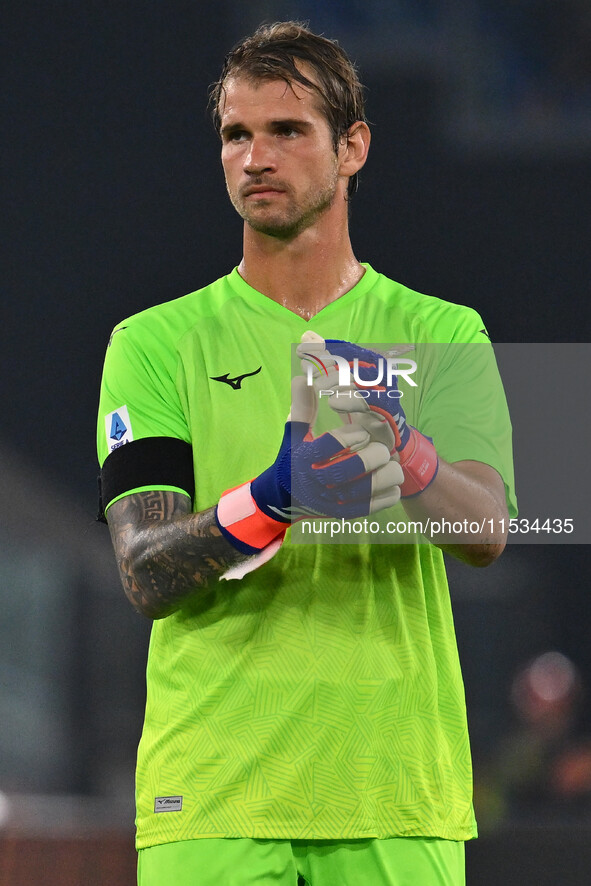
[305,717]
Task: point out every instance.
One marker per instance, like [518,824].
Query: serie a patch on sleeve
[118,428]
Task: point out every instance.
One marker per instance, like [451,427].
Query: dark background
[477,190]
[114,201]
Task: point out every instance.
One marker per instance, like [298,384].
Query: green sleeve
[462,407]
[140,388]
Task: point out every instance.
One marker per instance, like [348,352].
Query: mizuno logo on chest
[236,382]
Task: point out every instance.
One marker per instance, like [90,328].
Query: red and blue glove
[340,474]
[417,454]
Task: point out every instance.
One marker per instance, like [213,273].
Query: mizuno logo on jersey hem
[168,804]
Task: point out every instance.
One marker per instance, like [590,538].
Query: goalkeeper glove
[387,420]
[341,473]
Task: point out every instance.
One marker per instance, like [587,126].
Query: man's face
[278,155]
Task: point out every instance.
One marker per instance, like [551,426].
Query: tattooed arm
[164,552]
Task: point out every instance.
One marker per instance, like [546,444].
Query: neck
[304,274]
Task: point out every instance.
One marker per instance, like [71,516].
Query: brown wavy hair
[273,53]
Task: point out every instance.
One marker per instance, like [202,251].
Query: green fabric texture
[320,697]
[397,862]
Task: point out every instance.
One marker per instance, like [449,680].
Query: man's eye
[237,136]
[287,131]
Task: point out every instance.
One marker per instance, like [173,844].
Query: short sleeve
[463,407]
[143,440]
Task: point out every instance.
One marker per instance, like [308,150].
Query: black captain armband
[152,463]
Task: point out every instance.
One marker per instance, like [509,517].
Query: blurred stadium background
[477,190]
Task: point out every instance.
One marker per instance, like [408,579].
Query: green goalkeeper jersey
[319,697]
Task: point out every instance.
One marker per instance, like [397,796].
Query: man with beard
[305,718]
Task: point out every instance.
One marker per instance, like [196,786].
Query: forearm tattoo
[166,553]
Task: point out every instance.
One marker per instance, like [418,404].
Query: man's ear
[353,148]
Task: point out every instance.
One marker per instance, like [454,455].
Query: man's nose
[260,157]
